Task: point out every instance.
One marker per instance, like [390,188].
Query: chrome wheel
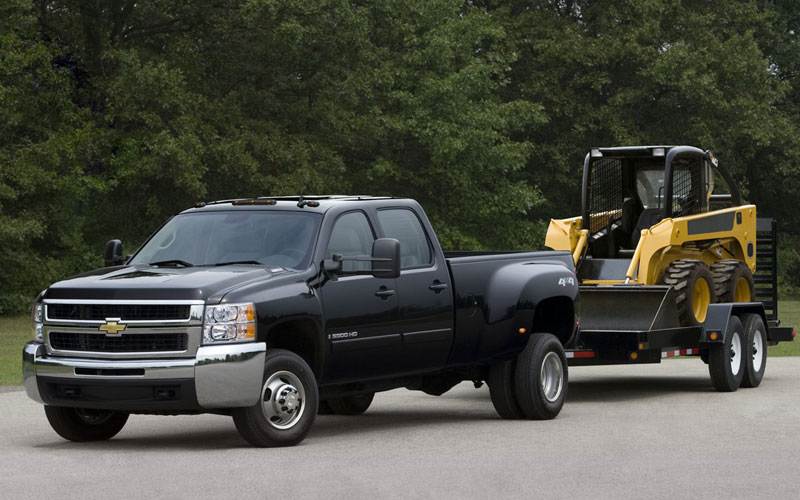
[736,353]
[283,400]
[552,377]
[758,353]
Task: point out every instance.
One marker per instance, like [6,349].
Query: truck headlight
[229,323]
[38,316]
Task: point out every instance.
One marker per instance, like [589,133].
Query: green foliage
[115,115]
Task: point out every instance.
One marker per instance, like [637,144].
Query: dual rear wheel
[534,384]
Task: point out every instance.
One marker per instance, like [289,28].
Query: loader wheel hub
[701,298]
[742,291]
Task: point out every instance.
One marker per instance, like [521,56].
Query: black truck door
[426,300]
[360,311]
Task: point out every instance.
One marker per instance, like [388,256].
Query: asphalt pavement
[651,431]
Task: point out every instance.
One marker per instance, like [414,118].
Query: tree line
[115,115]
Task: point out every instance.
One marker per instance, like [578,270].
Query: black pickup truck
[272,309]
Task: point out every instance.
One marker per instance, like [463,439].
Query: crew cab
[273,309]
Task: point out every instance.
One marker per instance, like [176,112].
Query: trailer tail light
[634,355]
[713,336]
[522,330]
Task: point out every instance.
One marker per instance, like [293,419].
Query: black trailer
[635,324]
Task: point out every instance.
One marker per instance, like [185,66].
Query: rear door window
[404,226]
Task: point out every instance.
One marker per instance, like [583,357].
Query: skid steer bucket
[628,308]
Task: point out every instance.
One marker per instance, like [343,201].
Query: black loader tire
[755,350]
[733,281]
[267,423]
[691,279]
[78,424]
[540,377]
[501,390]
[351,405]
[725,376]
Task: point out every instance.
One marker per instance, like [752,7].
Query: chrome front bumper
[225,376]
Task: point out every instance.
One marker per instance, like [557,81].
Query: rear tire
[755,350]
[693,283]
[726,360]
[288,404]
[79,424]
[351,405]
[501,390]
[733,281]
[540,377]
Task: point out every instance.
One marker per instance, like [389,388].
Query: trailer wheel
[287,406]
[755,350]
[501,390]
[694,289]
[540,377]
[733,281]
[80,424]
[726,360]
[351,405]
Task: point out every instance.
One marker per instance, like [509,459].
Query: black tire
[540,377]
[351,405]
[723,358]
[501,390]
[733,281]
[693,283]
[79,424]
[288,384]
[755,350]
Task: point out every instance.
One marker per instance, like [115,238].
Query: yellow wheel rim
[701,298]
[742,291]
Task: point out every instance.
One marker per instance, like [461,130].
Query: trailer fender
[715,328]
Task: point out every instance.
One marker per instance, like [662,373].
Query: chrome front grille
[130,342]
[152,329]
[125,312]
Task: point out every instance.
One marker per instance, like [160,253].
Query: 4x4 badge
[112,326]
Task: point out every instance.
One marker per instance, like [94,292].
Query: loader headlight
[229,323]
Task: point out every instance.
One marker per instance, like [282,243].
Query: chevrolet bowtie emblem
[112,326]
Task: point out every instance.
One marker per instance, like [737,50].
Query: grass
[15,331]
[789,312]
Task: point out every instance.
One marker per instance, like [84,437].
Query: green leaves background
[116,114]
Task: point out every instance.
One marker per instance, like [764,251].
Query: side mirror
[386,258]
[113,254]
[332,266]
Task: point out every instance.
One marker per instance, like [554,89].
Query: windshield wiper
[173,262]
[239,262]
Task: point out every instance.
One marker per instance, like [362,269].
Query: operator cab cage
[627,189]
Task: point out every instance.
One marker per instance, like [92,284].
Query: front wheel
[726,360]
[287,406]
[81,424]
[540,377]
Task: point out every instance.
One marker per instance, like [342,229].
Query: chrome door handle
[384,293]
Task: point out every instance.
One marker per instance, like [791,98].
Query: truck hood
[209,284]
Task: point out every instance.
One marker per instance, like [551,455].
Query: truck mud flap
[628,308]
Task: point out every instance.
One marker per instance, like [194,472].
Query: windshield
[650,186]
[274,238]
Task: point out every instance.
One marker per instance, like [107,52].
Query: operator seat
[649,218]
